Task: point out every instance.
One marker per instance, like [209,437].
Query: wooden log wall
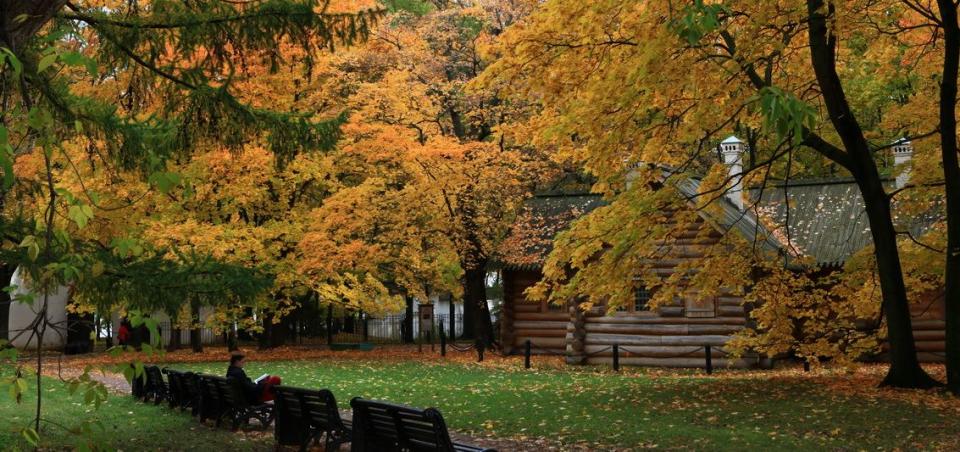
[545,327]
[929,328]
[674,335]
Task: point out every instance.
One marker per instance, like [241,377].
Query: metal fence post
[709,359]
[616,357]
[526,354]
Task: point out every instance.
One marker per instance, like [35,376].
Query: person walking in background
[123,333]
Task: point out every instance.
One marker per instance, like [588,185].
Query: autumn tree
[422,141]
[175,56]
[657,83]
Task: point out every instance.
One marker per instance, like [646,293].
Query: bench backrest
[154,377]
[175,387]
[228,391]
[387,426]
[316,406]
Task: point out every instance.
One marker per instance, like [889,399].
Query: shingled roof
[827,219]
[542,217]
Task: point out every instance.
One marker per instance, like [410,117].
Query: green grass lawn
[120,423]
[585,405]
[569,406]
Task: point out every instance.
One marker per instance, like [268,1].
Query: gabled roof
[730,218]
[823,219]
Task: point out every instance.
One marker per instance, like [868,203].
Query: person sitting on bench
[256,391]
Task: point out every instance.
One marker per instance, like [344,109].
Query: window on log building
[641,296]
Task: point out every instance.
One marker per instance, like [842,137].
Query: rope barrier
[461,349]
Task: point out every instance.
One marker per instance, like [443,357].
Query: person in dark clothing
[256,392]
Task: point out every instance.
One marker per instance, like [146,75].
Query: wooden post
[329,324]
[443,341]
[479,351]
[616,357]
[709,359]
[526,354]
[806,365]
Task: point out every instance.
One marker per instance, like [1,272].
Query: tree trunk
[279,333]
[905,370]
[407,327]
[174,343]
[263,342]
[951,175]
[6,273]
[475,303]
[196,334]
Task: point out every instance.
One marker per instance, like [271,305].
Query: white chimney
[732,150]
[902,155]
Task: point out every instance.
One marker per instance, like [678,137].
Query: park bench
[381,426]
[179,394]
[303,415]
[154,388]
[224,398]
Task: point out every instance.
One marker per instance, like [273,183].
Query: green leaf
[31,436]
[14,61]
[46,61]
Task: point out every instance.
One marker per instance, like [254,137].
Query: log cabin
[674,335]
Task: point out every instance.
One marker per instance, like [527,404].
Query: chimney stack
[902,155]
[732,151]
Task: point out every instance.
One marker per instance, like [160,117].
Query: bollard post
[806,365]
[616,357]
[479,352]
[709,356]
[526,354]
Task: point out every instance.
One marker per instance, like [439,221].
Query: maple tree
[657,83]
[432,186]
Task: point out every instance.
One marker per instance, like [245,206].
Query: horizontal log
[730,311]
[638,319]
[675,362]
[540,325]
[670,311]
[927,357]
[541,316]
[541,333]
[931,346]
[730,300]
[542,342]
[622,339]
[929,335]
[928,324]
[525,307]
[661,329]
